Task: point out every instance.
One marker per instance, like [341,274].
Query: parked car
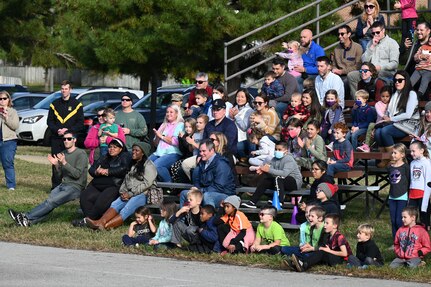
[27,101]
[90,111]
[164,95]
[14,90]
[33,126]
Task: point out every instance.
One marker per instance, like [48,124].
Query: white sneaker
[253,168]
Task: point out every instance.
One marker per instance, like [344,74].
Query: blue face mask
[358,103]
[278,154]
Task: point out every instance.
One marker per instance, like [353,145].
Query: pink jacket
[408,241]
[408,9]
[380,110]
[92,140]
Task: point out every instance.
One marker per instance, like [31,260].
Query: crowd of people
[298,115]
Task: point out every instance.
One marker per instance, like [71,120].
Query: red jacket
[192,98]
[410,240]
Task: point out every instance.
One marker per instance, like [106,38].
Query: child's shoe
[299,265]
[248,204]
[330,146]
[253,168]
[364,148]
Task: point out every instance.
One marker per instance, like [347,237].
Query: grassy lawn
[33,181]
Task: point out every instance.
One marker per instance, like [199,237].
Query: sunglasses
[200,82]
[341,34]
[258,103]
[399,80]
[375,33]
[68,139]
[100,115]
[126,100]
[4,99]
[369,7]
[364,71]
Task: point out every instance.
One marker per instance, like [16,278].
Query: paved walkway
[34,158]
[37,266]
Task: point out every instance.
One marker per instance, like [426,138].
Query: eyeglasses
[363,71]
[369,7]
[258,103]
[68,139]
[4,99]
[399,80]
[262,214]
[126,100]
[376,33]
[200,82]
[341,34]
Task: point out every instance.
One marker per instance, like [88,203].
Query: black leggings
[267,181]
[95,202]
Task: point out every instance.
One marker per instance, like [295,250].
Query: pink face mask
[293,133]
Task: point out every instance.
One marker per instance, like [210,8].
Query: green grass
[33,183]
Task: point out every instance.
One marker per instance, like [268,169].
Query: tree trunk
[46,79]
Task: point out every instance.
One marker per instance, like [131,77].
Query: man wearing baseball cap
[222,124]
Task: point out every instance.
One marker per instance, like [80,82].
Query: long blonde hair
[222,140]
[376,11]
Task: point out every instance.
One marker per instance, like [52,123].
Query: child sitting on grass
[235,232]
[310,233]
[334,250]
[367,252]
[163,236]
[270,236]
[186,221]
[412,241]
[142,229]
[207,233]
[342,160]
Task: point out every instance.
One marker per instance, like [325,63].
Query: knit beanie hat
[428,106]
[328,189]
[234,200]
[145,147]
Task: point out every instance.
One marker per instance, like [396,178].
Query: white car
[32,123]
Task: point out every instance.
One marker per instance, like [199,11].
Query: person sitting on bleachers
[271,86]
[370,83]
[362,115]
[342,160]
[265,152]
[294,137]
[295,109]
[265,118]
[347,55]
[382,51]
[282,173]
[327,80]
[422,74]
[312,145]
[311,102]
[424,134]
[333,115]
[381,108]
[293,54]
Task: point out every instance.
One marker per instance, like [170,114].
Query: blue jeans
[336,167]
[244,148]
[163,165]
[385,136]
[7,153]
[59,195]
[354,137]
[280,108]
[127,208]
[211,198]
[289,250]
[364,42]
[395,209]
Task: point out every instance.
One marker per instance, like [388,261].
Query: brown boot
[100,223]
[114,222]
[385,162]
